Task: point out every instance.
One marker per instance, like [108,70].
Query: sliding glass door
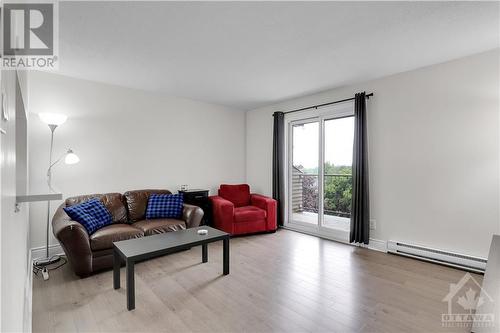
[304,198]
[337,178]
[320,173]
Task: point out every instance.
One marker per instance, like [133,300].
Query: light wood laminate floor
[282,282]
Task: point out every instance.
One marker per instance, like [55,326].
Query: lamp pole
[49,182]
[48,260]
[53,120]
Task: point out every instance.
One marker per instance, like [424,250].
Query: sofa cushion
[239,195]
[159,226]
[165,206]
[112,201]
[103,238]
[137,202]
[91,214]
[249,213]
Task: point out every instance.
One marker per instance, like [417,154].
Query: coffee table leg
[130,285]
[204,253]
[226,256]
[116,269]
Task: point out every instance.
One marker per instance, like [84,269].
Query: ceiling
[249,54]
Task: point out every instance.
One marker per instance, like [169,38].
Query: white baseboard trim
[28,296]
[315,234]
[39,252]
[34,253]
[377,245]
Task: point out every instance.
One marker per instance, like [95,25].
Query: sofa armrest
[223,213]
[192,215]
[267,204]
[75,242]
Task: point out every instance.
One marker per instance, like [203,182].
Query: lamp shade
[53,118]
[71,157]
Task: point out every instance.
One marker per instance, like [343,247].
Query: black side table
[199,198]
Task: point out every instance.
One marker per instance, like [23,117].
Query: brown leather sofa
[88,254]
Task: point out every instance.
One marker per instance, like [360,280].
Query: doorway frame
[320,115]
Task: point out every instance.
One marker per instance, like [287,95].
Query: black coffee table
[139,249]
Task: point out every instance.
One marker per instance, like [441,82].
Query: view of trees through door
[335,137]
[339,135]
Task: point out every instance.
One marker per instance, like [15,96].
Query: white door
[319,187]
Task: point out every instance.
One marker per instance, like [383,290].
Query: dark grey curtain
[279,163]
[360,205]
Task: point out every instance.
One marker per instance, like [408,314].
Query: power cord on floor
[44,269]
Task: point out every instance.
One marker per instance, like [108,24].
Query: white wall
[433,152]
[129,139]
[15,268]
[434,147]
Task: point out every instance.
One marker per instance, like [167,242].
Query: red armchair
[238,212]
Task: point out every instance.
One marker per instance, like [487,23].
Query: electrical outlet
[373,224]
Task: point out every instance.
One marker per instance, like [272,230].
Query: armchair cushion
[249,213]
[239,195]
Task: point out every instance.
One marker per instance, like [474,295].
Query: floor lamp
[53,121]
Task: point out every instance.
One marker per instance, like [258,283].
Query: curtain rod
[325,104]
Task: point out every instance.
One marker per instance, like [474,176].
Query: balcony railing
[337,197]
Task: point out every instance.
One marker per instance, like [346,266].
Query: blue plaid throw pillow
[92,214]
[165,206]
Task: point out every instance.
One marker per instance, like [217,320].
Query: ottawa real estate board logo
[469,306]
[29,37]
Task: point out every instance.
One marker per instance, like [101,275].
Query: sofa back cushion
[239,195]
[113,202]
[137,202]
